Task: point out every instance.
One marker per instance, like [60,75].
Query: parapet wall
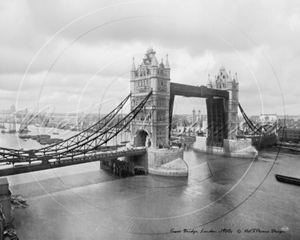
[236,145]
[158,157]
[200,144]
[167,162]
[232,148]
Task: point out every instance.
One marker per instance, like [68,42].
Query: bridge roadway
[55,163]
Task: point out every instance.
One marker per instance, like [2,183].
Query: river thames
[223,198]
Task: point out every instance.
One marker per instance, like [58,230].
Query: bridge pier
[152,125]
[167,162]
[5,202]
[231,147]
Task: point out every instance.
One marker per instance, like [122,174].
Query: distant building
[12,109]
[254,119]
[289,135]
[289,121]
[267,118]
[189,119]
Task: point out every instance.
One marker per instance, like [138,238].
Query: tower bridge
[152,98]
[152,127]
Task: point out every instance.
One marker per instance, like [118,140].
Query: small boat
[261,141]
[22,136]
[44,136]
[43,141]
[286,179]
[53,140]
[34,137]
[295,149]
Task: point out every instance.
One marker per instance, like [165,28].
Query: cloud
[77,52]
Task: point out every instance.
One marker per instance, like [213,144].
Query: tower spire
[133,66]
[209,83]
[229,77]
[154,61]
[167,62]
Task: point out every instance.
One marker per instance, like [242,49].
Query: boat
[34,137]
[23,131]
[12,127]
[44,136]
[262,135]
[286,179]
[2,126]
[43,141]
[295,149]
[24,125]
[261,141]
[287,144]
[22,136]
[53,140]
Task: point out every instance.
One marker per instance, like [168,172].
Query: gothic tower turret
[232,87]
[224,81]
[194,116]
[209,83]
[133,70]
[153,121]
[199,119]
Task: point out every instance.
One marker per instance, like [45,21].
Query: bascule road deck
[53,163]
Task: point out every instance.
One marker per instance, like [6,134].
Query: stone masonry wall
[236,145]
[200,144]
[157,157]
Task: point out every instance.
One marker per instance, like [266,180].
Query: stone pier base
[167,162]
[233,148]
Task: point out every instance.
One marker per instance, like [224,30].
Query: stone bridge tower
[150,127]
[224,81]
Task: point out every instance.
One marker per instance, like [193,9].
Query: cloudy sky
[72,56]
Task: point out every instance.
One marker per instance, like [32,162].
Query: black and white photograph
[149,119]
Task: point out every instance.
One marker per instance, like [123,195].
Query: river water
[223,198]
[13,141]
